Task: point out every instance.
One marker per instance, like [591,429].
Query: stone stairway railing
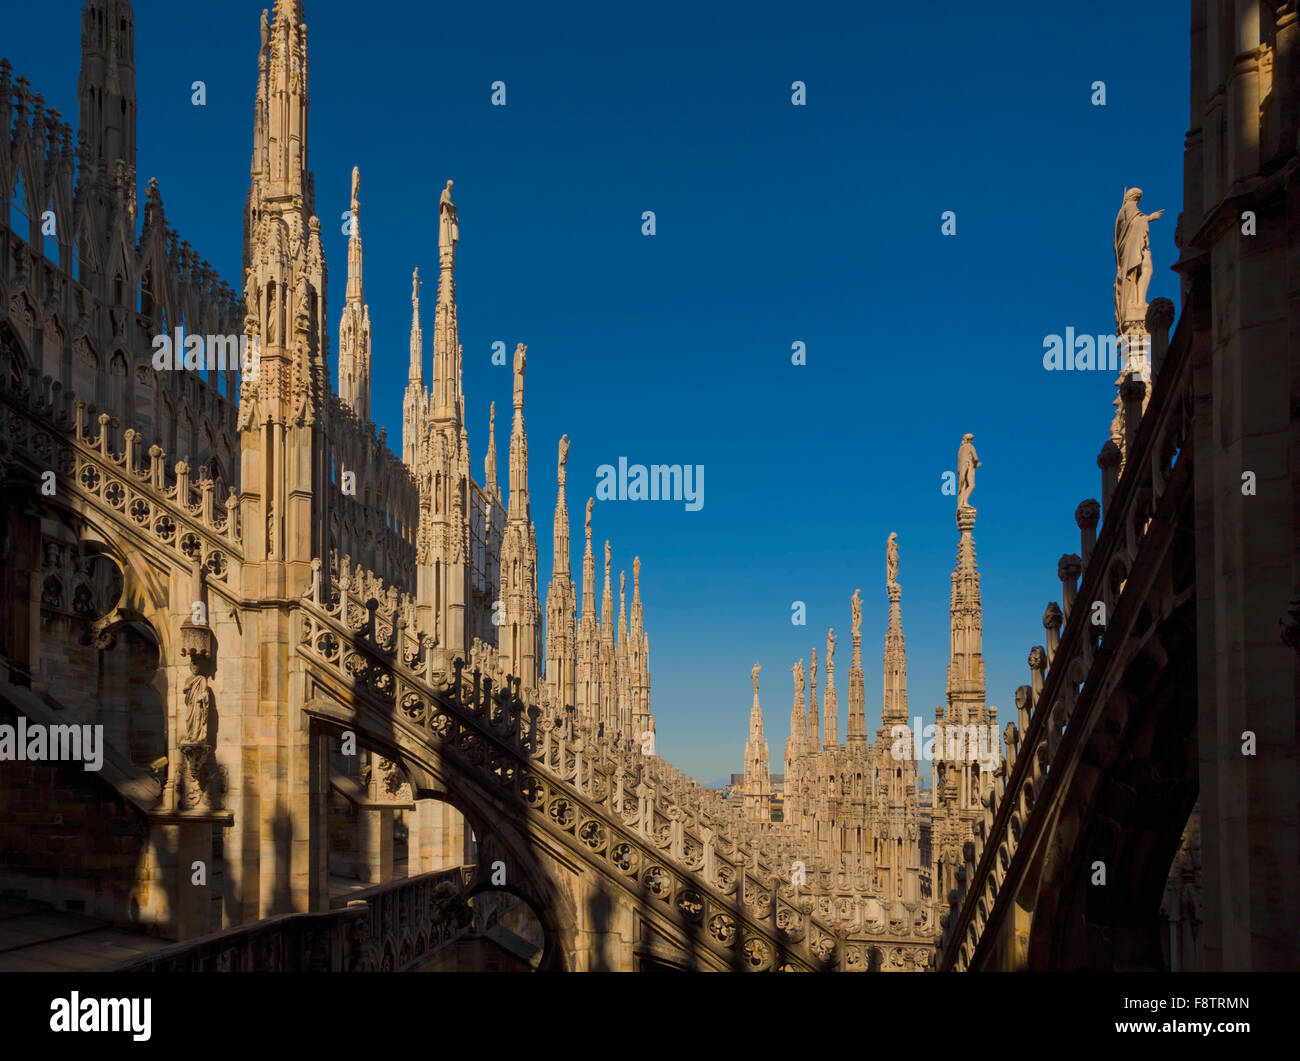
[1060,669]
[47,432]
[604,801]
[387,928]
[836,895]
[379,615]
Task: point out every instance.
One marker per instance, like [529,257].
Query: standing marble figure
[1132,256]
[967,462]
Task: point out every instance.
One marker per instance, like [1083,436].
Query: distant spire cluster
[858,806]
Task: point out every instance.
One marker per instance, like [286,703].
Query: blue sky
[775,224]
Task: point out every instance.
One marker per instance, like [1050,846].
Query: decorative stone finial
[1088,513]
[1069,567]
[1160,314]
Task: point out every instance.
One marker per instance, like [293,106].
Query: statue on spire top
[1132,258]
[521,359]
[564,456]
[855,605]
[967,462]
[448,227]
[590,502]
[754,675]
[891,559]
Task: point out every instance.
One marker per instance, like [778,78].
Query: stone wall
[66,835]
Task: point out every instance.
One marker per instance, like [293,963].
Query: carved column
[1024,704]
[1052,621]
[1038,665]
[1160,315]
[374,830]
[1108,460]
[1087,516]
[1134,392]
[420,837]
[1068,569]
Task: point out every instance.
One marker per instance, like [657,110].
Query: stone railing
[407,920]
[179,516]
[385,928]
[605,800]
[1094,578]
[287,943]
[378,620]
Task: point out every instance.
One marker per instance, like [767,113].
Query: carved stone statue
[754,675]
[564,457]
[967,462]
[855,605]
[448,226]
[830,649]
[272,312]
[521,360]
[266,29]
[797,670]
[197,702]
[1132,257]
[356,192]
[891,559]
[590,502]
